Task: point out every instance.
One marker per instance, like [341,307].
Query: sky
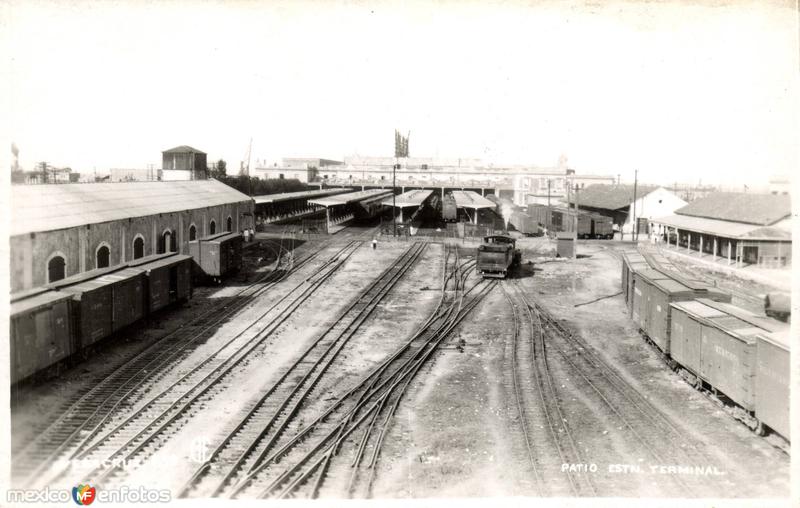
[682,91]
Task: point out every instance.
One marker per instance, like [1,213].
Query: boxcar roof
[726,317]
[84,276]
[697,308]
[227,235]
[36,208]
[38,300]
[778,338]
[745,315]
[165,261]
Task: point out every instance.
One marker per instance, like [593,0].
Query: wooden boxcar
[42,331]
[584,225]
[772,380]
[658,292]
[540,213]
[525,224]
[217,255]
[602,227]
[632,262]
[169,279]
[94,315]
[715,343]
[127,290]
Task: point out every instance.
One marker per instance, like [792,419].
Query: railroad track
[548,429]
[658,434]
[85,412]
[310,451]
[270,417]
[83,438]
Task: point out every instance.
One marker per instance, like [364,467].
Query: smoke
[505,211]
[15,153]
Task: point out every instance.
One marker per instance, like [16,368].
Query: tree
[219,169]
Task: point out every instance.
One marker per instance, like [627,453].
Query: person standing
[374,243]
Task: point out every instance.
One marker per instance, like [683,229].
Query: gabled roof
[747,208]
[183,149]
[36,208]
[610,197]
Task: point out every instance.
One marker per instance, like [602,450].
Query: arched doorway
[212,228]
[229,224]
[102,256]
[138,247]
[56,268]
[192,233]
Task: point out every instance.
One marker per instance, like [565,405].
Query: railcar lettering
[578,468]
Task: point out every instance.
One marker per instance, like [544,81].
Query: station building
[744,228]
[61,230]
[617,202]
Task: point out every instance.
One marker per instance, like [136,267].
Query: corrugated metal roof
[183,149]
[696,308]
[748,208]
[471,199]
[727,229]
[409,198]
[342,199]
[287,196]
[610,197]
[36,208]
[153,262]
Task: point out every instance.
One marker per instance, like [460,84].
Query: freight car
[772,381]
[217,255]
[525,224]
[778,305]
[497,255]
[42,331]
[56,323]
[602,227]
[449,210]
[714,346]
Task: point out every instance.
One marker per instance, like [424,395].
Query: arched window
[102,256]
[192,233]
[56,268]
[138,247]
[173,241]
[229,224]
[212,227]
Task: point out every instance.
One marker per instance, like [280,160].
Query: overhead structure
[472,200]
[409,199]
[291,196]
[344,207]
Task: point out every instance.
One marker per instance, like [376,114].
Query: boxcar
[772,381]
[715,344]
[602,227]
[584,225]
[632,262]
[42,331]
[127,290]
[217,255]
[525,224]
[169,279]
[94,302]
[540,213]
[659,294]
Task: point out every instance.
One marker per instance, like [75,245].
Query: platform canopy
[471,199]
[289,196]
[409,198]
[364,196]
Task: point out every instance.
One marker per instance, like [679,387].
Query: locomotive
[497,255]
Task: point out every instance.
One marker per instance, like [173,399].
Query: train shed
[289,205]
[341,208]
[409,199]
[471,200]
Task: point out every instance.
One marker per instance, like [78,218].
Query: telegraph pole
[634,222]
[394,200]
[548,192]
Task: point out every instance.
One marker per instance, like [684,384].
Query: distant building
[617,202]
[780,184]
[745,228]
[135,174]
[183,163]
[303,169]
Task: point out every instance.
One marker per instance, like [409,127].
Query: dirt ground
[457,431]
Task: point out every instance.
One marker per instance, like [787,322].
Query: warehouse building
[62,230]
[617,202]
[744,228]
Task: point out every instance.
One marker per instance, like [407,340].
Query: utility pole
[548,192]
[394,200]
[634,222]
[575,226]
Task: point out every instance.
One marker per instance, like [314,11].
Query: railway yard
[331,367]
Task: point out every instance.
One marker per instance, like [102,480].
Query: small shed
[565,248]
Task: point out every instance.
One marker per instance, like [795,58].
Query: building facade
[62,230]
[190,163]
